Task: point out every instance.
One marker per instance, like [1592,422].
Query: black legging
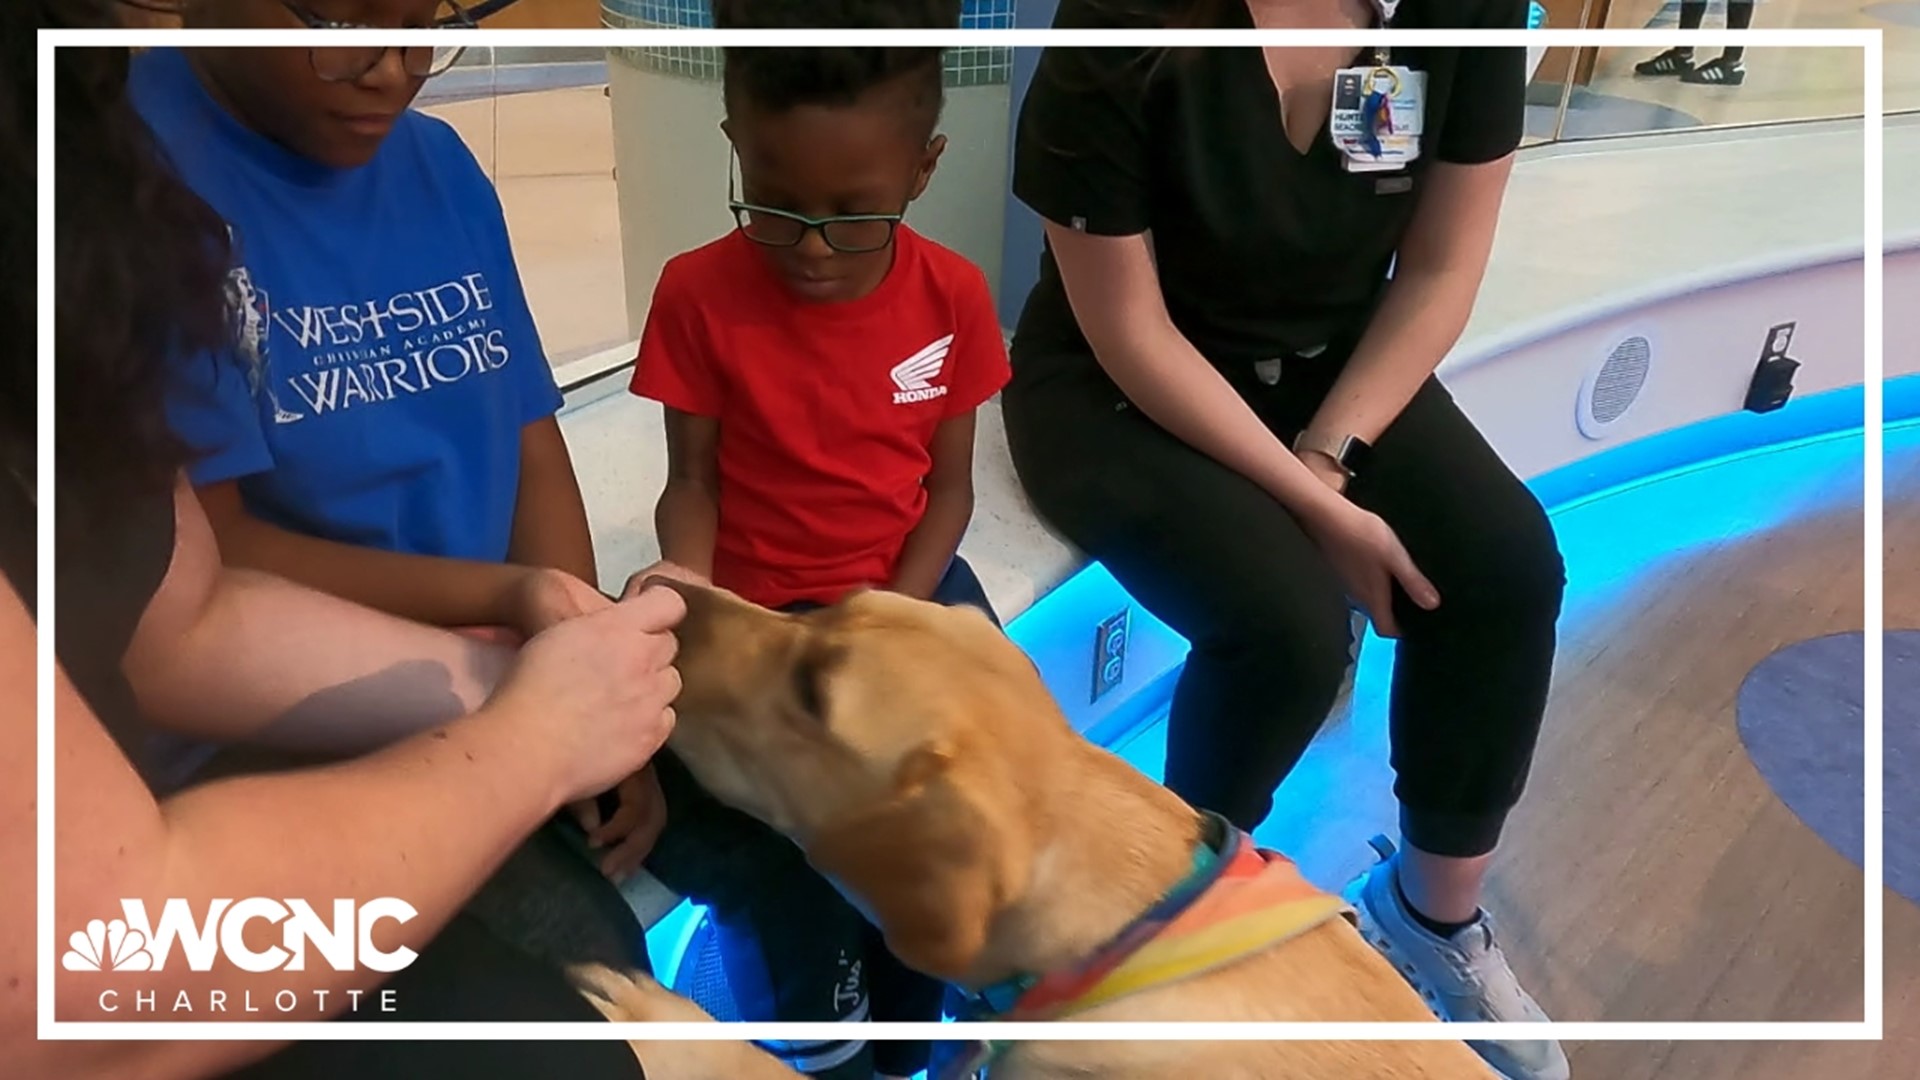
[1739,17]
[1223,563]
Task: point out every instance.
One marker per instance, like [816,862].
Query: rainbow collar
[1238,900]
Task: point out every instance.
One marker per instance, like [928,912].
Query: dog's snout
[652,580]
[693,626]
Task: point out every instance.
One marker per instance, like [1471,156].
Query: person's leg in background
[789,943]
[960,585]
[1470,685]
[1213,556]
[1678,60]
[901,995]
[1729,68]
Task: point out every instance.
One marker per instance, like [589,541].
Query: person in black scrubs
[149,623]
[1224,391]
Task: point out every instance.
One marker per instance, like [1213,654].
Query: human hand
[664,568]
[1369,558]
[600,687]
[636,823]
[542,597]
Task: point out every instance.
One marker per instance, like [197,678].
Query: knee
[1537,573]
[1299,640]
[1514,574]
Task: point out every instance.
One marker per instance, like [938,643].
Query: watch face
[1356,455]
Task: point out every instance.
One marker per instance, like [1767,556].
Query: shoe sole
[1384,947]
[1381,944]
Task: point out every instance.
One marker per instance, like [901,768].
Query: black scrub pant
[793,949]
[465,974]
[502,958]
[1229,568]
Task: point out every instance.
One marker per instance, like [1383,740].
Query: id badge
[1378,115]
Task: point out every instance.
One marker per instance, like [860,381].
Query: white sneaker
[1464,978]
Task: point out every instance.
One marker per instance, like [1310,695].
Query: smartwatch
[1350,452]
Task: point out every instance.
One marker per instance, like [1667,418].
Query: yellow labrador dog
[914,754]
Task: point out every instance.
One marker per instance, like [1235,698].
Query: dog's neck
[1114,842]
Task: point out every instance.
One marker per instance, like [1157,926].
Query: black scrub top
[1262,251]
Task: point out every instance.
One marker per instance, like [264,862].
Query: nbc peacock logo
[107,946]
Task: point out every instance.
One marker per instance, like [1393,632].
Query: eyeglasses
[350,64]
[848,234]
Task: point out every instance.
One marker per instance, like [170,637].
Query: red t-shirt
[827,411]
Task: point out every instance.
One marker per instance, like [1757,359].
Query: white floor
[1587,226]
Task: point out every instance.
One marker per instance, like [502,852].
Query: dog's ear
[934,864]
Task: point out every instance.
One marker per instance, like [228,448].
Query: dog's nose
[673,583]
[693,628]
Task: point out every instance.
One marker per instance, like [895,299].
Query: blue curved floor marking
[1801,719]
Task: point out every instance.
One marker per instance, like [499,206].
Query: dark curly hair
[140,265]
[17,233]
[777,78]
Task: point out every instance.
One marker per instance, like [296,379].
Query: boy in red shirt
[820,367]
[821,364]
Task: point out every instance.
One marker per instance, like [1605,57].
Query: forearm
[324,675]
[549,516]
[1167,379]
[931,545]
[1417,324]
[423,588]
[687,519]
[445,808]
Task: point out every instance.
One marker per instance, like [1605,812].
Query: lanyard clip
[1383,55]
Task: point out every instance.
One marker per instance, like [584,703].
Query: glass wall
[541,123]
[1599,93]
[609,162]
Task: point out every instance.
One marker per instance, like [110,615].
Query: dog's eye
[809,685]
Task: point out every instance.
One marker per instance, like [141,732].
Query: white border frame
[1869,1028]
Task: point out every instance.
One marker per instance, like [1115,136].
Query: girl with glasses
[383,425]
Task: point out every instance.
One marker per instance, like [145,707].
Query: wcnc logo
[134,943]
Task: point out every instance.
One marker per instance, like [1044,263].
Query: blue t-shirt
[385,360]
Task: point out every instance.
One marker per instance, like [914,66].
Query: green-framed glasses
[849,234]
